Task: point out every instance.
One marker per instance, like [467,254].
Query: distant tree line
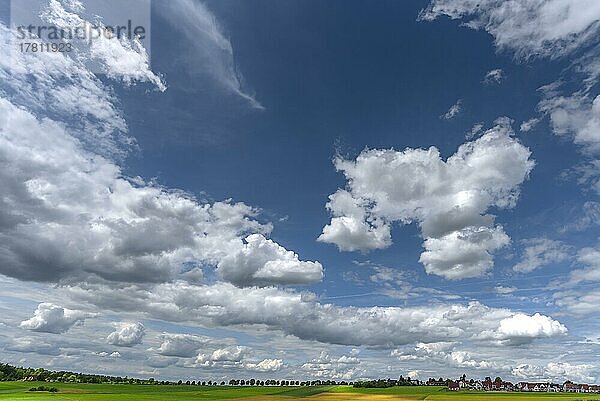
[13,373]
[385,383]
[253,382]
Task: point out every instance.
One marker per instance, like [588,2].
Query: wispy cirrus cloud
[210,52]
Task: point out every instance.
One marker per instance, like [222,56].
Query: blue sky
[260,102]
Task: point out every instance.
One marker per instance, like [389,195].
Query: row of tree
[13,373]
[252,382]
[385,383]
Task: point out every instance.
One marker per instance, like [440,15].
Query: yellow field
[338,394]
[339,397]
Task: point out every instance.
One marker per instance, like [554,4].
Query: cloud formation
[579,304]
[448,199]
[577,116]
[494,77]
[529,28]
[50,318]
[590,258]
[266,365]
[301,315]
[522,329]
[264,262]
[119,59]
[127,334]
[120,243]
[504,290]
[182,345]
[91,223]
[33,345]
[212,53]
[552,29]
[539,252]
[236,356]
[228,355]
[453,111]
[556,371]
[67,206]
[570,296]
[445,353]
[344,367]
[70,209]
[528,125]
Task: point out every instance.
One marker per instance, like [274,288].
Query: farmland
[19,391]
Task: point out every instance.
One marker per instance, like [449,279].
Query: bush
[44,388]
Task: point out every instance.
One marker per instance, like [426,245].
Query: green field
[17,391]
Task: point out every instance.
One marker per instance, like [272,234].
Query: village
[500,385]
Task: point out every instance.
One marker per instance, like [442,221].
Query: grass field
[18,391]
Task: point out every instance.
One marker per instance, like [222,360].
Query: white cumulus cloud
[182,345]
[50,318]
[447,199]
[236,356]
[127,334]
[301,315]
[556,371]
[264,262]
[266,365]
[522,329]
